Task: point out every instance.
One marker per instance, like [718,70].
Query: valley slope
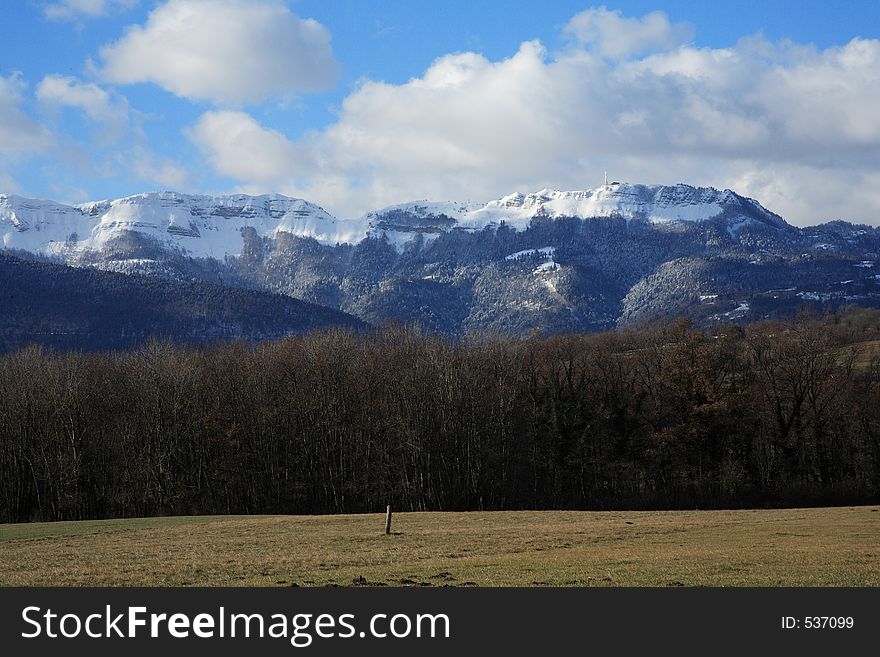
[67,308]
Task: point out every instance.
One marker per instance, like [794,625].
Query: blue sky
[357,104]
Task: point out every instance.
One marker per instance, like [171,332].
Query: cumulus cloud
[225,51]
[787,124]
[78,9]
[118,142]
[239,147]
[614,36]
[98,104]
[466,119]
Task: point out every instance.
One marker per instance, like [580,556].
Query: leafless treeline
[668,416]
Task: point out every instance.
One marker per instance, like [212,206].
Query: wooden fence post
[388,520]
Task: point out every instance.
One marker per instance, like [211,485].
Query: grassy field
[800,547]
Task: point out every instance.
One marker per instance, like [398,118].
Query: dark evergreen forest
[68,308]
[667,416]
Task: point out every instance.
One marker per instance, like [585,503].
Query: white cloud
[156,169]
[118,142]
[468,120]
[225,51]
[614,36]
[98,104]
[790,125]
[239,147]
[8,184]
[77,9]
[19,134]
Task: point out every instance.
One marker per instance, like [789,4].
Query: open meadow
[790,547]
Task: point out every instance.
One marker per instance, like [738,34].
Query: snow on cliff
[195,226]
[655,203]
[211,226]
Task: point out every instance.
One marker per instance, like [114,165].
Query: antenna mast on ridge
[606,177]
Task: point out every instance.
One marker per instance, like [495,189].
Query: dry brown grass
[865,353]
[798,547]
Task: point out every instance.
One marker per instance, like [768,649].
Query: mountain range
[549,261]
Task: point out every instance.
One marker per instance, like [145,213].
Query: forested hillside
[69,308]
[782,413]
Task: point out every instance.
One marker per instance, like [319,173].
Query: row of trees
[335,422]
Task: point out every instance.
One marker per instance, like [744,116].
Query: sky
[359,104]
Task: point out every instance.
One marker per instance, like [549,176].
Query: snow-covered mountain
[653,203]
[189,225]
[657,204]
[550,261]
[211,226]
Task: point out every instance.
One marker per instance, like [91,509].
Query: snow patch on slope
[546,251]
[425,209]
